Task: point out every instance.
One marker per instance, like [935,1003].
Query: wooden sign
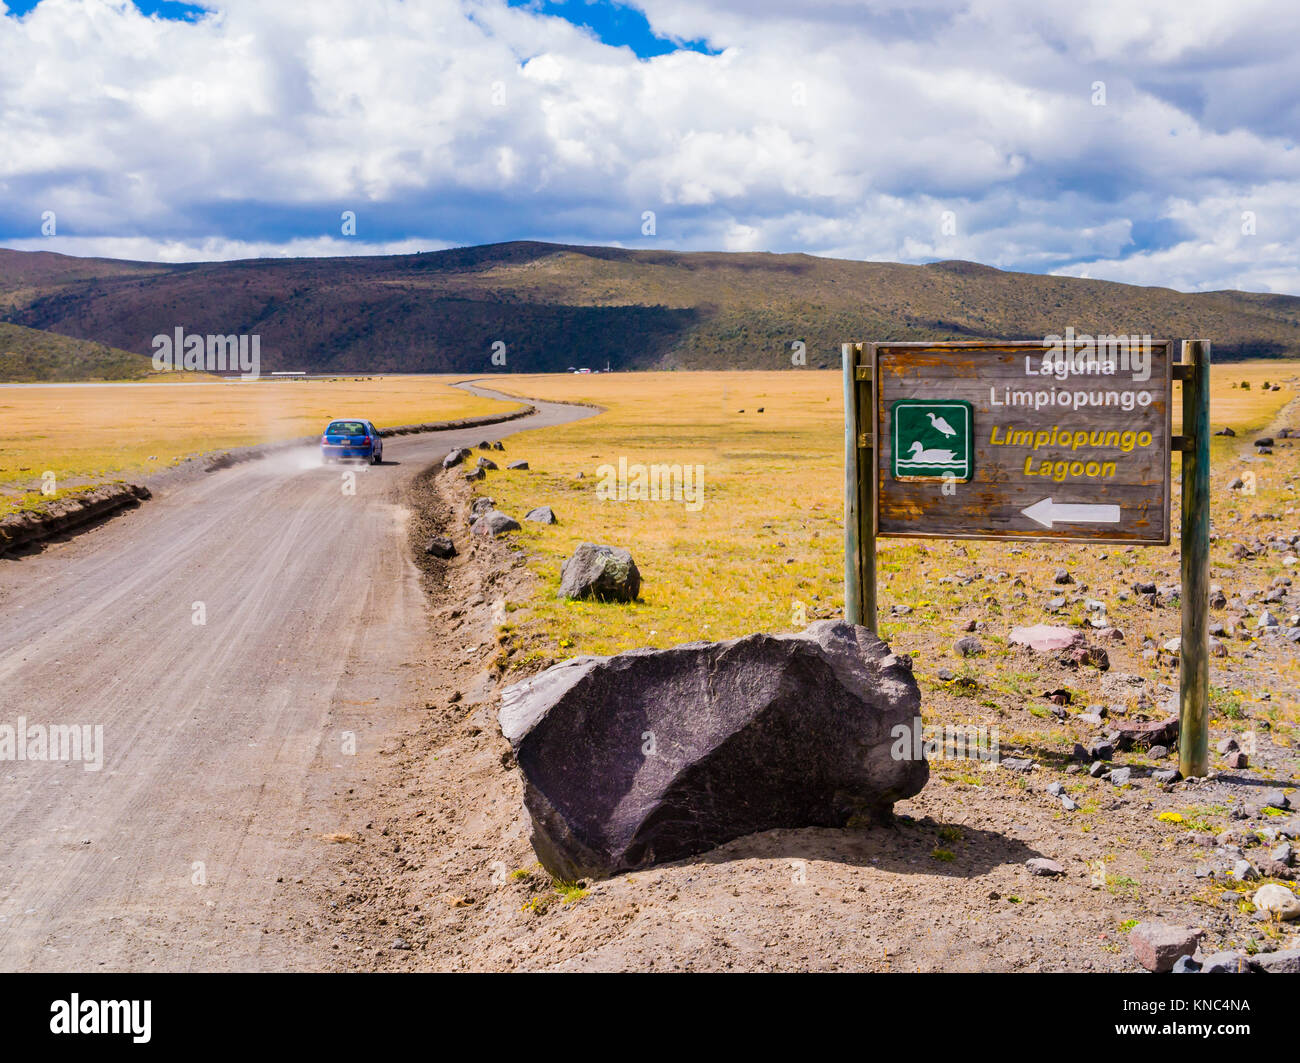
[1068,438]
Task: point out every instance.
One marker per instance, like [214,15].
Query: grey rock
[1100,749]
[603,572]
[1120,776]
[1040,865]
[656,755]
[1062,576]
[1274,799]
[1021,764]
[494,523]
[440,546]
[1158,946]
[479,506]
[969,646]
[498,445]
[1097,770]
[1067,803]
[1283,854]
[517,465]
[487,463]
[1158,752]
[1285,962]
[452,459]
[1224,963]
[1055,789]
[1242,871]
[1185,965]
[1166,776]
[476,474]
[541,515]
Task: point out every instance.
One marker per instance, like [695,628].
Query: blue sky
[1149,141]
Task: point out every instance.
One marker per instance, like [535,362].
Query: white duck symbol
[942,425]
[919,453]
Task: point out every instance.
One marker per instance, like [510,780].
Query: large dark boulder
[656,755]
[597,571]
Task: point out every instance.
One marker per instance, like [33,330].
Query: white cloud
[840,127]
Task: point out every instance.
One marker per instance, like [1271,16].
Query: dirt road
[233,638]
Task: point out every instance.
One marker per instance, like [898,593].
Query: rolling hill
[29,355]
[555,306]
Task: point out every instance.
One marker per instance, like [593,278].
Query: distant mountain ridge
[554,306]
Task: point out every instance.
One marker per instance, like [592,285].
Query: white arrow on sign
[1045,512]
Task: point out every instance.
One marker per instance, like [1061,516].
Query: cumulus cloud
[1122,139]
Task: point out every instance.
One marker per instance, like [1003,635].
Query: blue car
[351,438]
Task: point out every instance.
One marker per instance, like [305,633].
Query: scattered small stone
[969,646]
[1017,764]
[401,945]
[1067,803]
[1040,865]
[440,546]
[1158,752]
[517,465]
[1224,963]
[1120,776]
[1277,901]
[1185,965]
[487,463]
[1227,745]
[1158,946]
[1101,749]
[1097,770]
[1166,776]
[1286,961]
[1062,576]
[494,523]
[1055,789]
[1236,761]
[541,515]
[1275,799]
[1283,854]
[1242,871]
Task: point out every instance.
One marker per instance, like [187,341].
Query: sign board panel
[1036,440]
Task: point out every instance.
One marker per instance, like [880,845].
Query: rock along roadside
[655,755]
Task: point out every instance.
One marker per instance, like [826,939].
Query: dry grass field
[86,434]
[765,546]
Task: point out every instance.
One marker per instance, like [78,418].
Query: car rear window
[346,428]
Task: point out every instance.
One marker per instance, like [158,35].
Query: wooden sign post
[1064,439]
